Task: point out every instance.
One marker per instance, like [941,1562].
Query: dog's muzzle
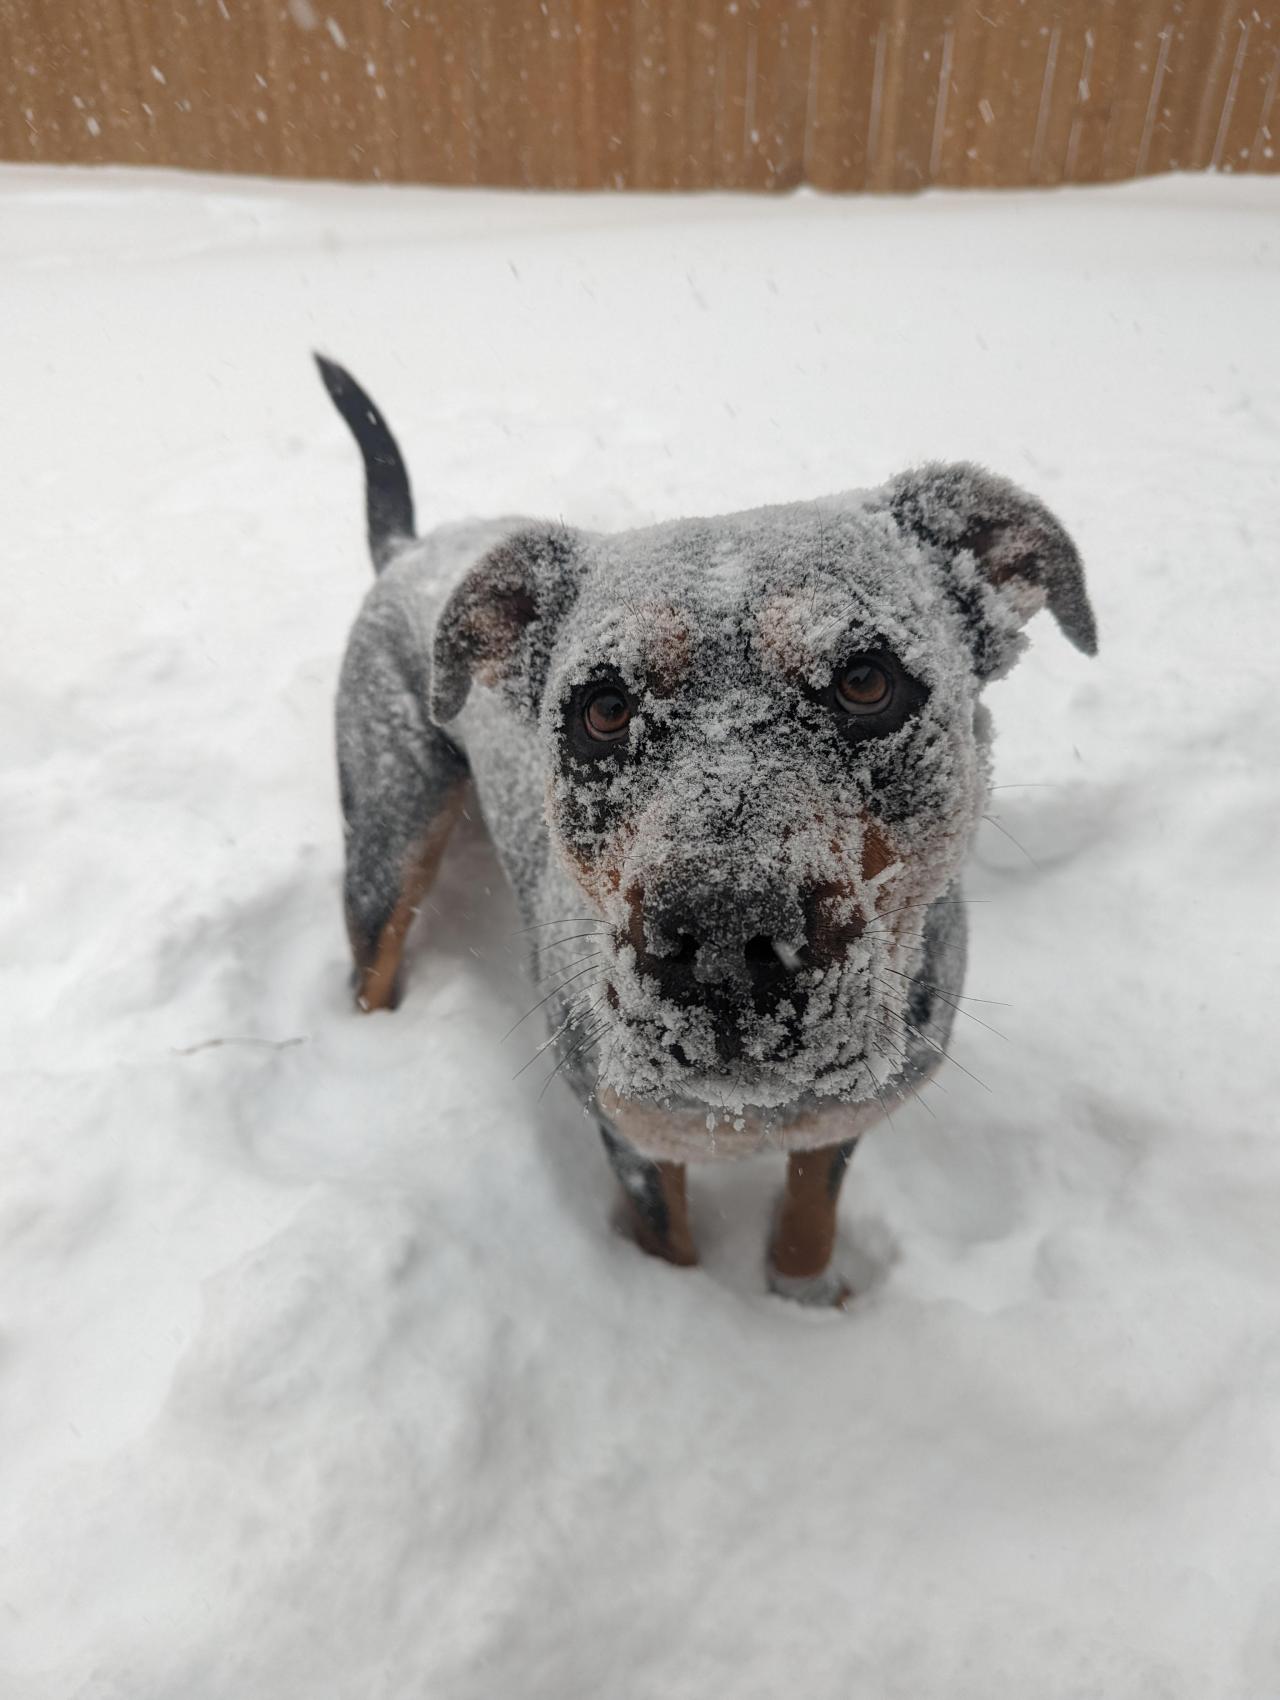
[744,957]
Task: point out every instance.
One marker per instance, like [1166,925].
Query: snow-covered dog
[732,768]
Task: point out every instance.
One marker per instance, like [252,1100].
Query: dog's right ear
[500,623]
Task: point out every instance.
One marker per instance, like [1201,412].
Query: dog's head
[765,758]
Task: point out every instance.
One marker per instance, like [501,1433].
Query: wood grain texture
[647,94]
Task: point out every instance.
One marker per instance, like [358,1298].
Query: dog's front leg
[656,1202]
[804,1234]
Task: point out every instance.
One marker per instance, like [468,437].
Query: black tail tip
[388,500]
[336,379]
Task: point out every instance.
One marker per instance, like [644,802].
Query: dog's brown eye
[606,715]
[863,686]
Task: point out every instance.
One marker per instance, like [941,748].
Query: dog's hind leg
[400,798]
[656,1203]
[378,924]
[804,1234]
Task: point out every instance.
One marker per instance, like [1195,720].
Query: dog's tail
[388,499]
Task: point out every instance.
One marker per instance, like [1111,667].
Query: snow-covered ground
[322,1373]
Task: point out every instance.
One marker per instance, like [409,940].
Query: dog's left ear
[1005,556]
[498,626]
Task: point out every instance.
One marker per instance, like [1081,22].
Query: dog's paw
[674,1248]
[371,992]
[826,1291]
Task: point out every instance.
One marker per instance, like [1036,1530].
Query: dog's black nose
[730,951]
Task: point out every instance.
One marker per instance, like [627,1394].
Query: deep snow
[321,1371]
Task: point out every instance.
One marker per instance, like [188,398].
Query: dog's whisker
[573,1024]
[887,1035]
[915,1093]
[551,944]
[544,1046]
[552,993]
[955,1008]
[578,1012]
[944,998]
[597,1032]
[565,1026]
[909,1027]
[583,1019]
[583,1012]
[547,1043]
[881,1019]
[876,1088]
[925,903]
[913,1087]
[567,980]
[964,997]
[942,1052]
[932,1080]
[991,819]
[891,1033]
[563,967]
[559,921]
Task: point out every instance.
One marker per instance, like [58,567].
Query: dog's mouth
[727,996]
[741,998]
[729,1044]
[721,1024]
[745,1035]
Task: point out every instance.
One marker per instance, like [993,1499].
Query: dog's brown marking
[836,917]
[782,628]
[378,964]
[665,1232]
[598,879]
[877,852]
[667,646]
[805,1235]
[834,921]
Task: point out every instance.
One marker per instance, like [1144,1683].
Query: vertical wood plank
[843,94]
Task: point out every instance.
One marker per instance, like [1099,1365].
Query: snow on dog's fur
[732,766]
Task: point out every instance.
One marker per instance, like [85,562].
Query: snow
[321,1370]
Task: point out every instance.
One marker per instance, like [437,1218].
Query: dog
[732,769]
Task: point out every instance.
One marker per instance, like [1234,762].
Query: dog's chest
[706,1136]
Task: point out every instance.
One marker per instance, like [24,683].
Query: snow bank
[321,1372]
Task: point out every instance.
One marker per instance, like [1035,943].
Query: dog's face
[764,759]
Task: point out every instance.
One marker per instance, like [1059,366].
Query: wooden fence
[652,94]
